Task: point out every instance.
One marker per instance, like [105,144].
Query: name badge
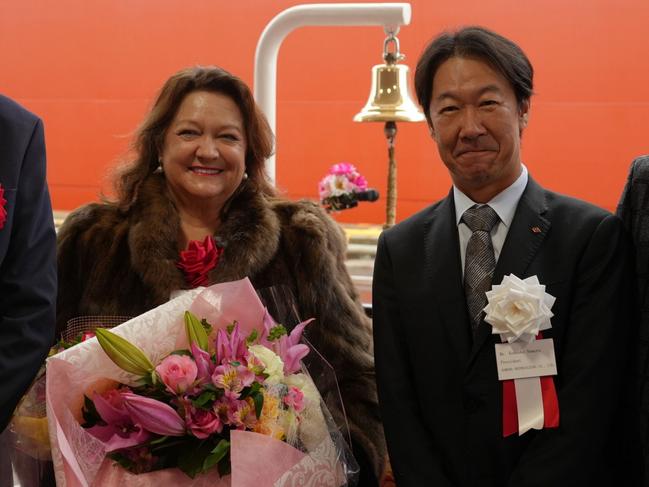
[519,360]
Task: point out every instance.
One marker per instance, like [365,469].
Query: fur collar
[250,235]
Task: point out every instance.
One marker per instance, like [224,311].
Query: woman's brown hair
[150,135]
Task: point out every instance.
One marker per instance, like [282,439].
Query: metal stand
[391,199]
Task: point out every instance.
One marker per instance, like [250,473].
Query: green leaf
[206,326]
[204,398]
[230,327]
[224,467]
[195,331]
[157,441]
[217,454]
[276,332]
[90,415]
[122,460]
[183,351]
[250,390]
[193,456]
[252,337]
[178,444]
[258,399]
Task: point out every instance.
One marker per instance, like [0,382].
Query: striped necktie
[480,261]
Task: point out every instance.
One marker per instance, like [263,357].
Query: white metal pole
[390,15]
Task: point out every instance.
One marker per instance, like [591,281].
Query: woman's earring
[245,176]
[159,170]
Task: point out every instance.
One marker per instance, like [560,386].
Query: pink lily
[120,431]
[290,350]
[154,416]
[203,363]
[230,348]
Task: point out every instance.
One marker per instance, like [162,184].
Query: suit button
[471,405]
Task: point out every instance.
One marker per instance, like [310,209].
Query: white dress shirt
[504,204]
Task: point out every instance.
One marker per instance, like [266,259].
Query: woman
[198,184]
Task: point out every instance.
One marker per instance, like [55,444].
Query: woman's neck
[196,225]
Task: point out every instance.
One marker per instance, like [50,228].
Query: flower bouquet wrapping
[203,390]
[26,438]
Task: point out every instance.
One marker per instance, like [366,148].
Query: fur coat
[116,263]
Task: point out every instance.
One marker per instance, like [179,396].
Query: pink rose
[177,372]
[203,423]
[294,399]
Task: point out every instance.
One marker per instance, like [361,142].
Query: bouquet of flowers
[343,187]
[204,390]
[26,438]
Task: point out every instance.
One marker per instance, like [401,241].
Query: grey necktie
[480,261]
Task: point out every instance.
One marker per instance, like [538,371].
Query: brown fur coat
[115,263]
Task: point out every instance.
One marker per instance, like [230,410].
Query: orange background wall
[91,68]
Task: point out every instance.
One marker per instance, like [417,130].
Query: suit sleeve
[27,280]
[414,460]
[631,210]
[594,370]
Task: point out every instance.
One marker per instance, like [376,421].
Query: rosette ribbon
[519,310]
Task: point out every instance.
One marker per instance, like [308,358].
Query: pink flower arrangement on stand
[337,188]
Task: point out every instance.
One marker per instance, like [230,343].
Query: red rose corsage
[3,211]
[198,260]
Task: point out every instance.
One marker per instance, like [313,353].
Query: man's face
[477,124]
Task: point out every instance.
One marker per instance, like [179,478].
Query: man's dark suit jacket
[27,255]
[634,211]
[440,397]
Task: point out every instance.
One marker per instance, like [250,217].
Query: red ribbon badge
[3,211]
[550,404]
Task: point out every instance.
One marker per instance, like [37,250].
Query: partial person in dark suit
[633,208]
[440,397]
[27,255]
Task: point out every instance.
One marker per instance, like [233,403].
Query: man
[27,255]
[632,209]
[441,399]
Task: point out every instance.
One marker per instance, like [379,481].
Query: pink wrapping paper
[256,460]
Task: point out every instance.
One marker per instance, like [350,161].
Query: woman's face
[204,150]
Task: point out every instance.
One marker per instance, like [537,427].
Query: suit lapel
[443,272]
[528,230]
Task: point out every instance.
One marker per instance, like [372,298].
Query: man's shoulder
[417,222]
[573,209]
[12,111]
[640,166]
[639,171]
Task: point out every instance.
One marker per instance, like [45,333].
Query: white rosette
[518,309]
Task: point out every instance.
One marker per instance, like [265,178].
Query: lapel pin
[536,230]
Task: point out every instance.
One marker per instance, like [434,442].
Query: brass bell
[390,102]
[390,95]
